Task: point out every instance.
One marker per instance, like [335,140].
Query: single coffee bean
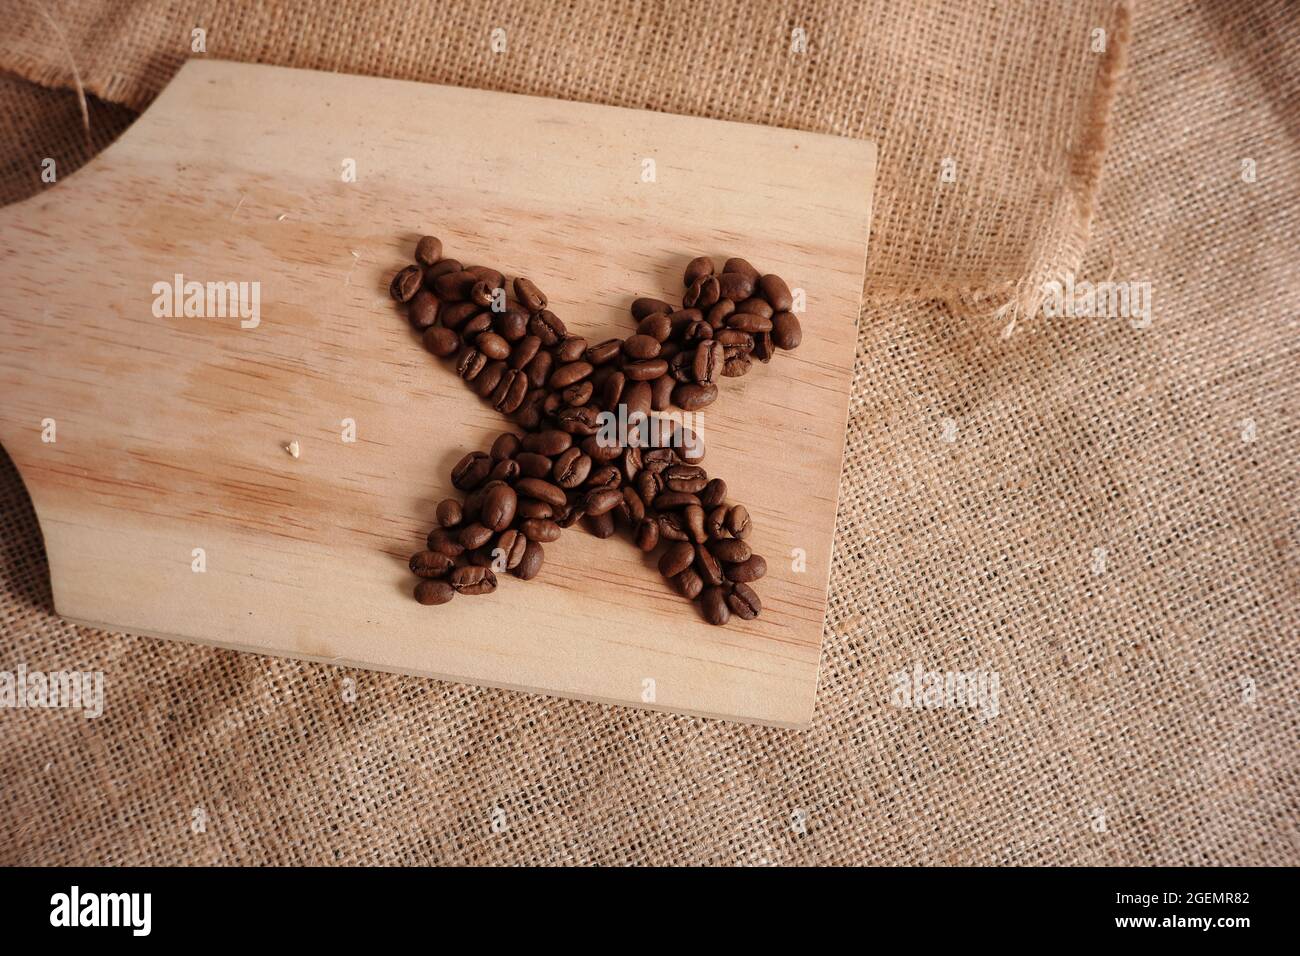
[544,530]
[549,442]
[528,415]
[486,381]
[532,508]
[533,465]
[676,559]
[631,509]
[713,604]
[442,342]
[434,592]
[406,283]
[672,529]
[681,367]
[539,369]
[776,292]
[673,500]
[693,518]
[546,325]
[454,315]
[428,250]
[571,468]
[708,567]
[738,521]
[578,394]
[638,397]
[607,476]
[737,366]
[440,539]
[473,503]
[749,322]
[493,346]
[499,507]
[645,371]
[702,293]
[640,347]
[584,420]
[570,516]
[661,393]
[631,463]
[688,584]
[471,471]
[601,525]
[509,394]
[603,352]
[492,277]
[566,375]
[474,535]
[657,326]
[694,333]
[572,349]
[602,500]
[744,602]
[691,397]
[511,325]
[697,268]
[757,306]
[553,495]
[764,347]
[715,522]
[531,563]
[480,293]
[529,296]
[735,286]
[714,493]
[473,580]
[741,266]
[454,286]
[439,268]
[689,478]
[505,471]
[509,550]
[506,445]
[599,450]
[750,570]
[647,306]
[431,564]
[476,325]
[718,312]
[470,363]
[524,351]
[734,341]
[730,550]
[449,513]
[786,331]
[422,310]
[647,534]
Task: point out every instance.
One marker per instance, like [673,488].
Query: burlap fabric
[1100,510]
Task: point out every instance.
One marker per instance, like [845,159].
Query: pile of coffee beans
[562,467]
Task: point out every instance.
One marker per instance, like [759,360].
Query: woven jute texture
[1099,511]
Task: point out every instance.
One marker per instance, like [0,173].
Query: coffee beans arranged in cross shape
[560,468]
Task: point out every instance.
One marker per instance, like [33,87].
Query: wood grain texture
[171,431]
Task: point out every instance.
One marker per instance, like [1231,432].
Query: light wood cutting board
[169,434]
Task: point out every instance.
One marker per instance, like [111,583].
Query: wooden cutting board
[169,432]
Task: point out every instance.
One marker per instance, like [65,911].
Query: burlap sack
[1100,511]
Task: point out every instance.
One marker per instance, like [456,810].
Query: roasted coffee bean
[422,310]
[735,286]
[486,381]
[509,550]
[738,521]
[584,420]
[434,592]
[606,351]
[454,286]
[744,602]
[714,493]
[734,341]
[697,268]
[529,296]
[480,557]
[506,471]
[571,468]
[691,397]
[476,325]
[672,529]
[442,342]
[473,502]
[689,478]
[431,564]
[737,365]
[578,394]
[532,464]
[786,331]
[645,371]
[439,268]
[602,500]
[713,604]
[684,317]
[630,507]
[730,550]
[601,525]
[570,516]
[532,508]
[776,292]
[471,471]
[673,500]
[511,325]
[649,484]
[492,277]
[657,326]
[524,351]
[756,306]
[539,369]
[553,495]
[742,267]
[470,363]
[688,584]
[406,283]
[572,349]
[703,292]
[640,347]
[709,567]
[480,294]
[749,322]
[647,306]
[631,463]
[506,445]
[764,347]
[606,476]
[531,562]
[600,451]
[474,535]
[510,391]
[647,533]
[493,346]
[676,559]
[661,393]
[544,530]
[499,507]
[549,442]
[611,391]
[546,325]
[473,580]
[528,415]
[750,570]
[449,513]
[715,522]
[454,315]
[566,375]
[428,250]
[440,539]
[638,397]
[681,367]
